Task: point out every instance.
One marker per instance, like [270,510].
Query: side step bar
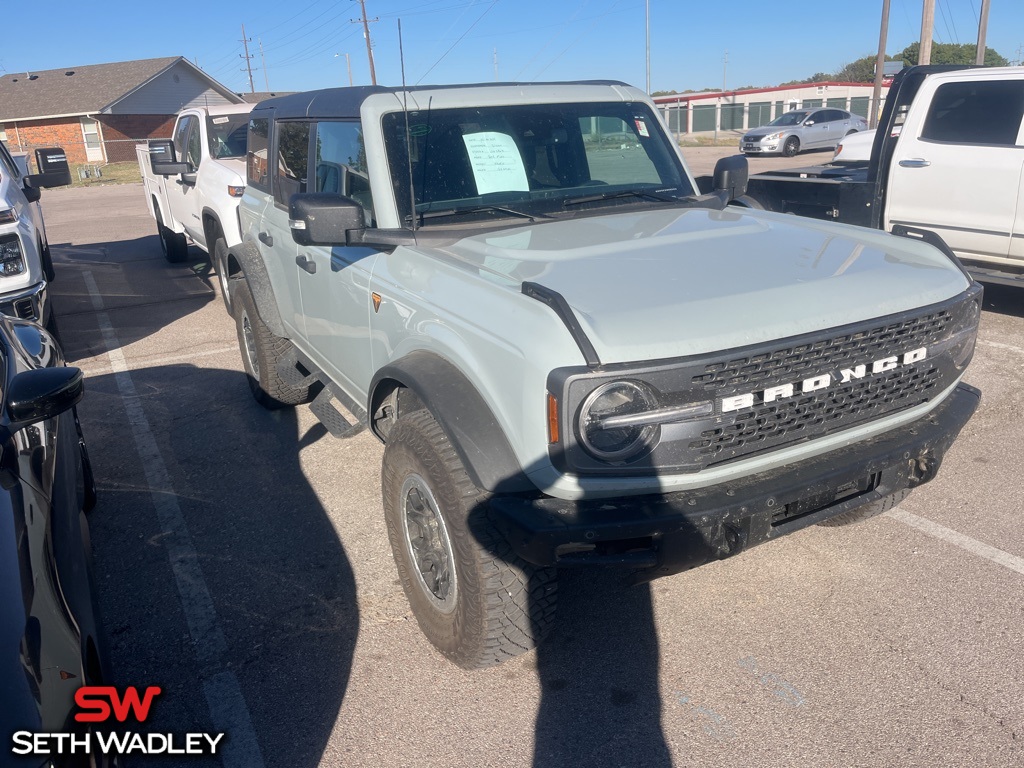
[297,371]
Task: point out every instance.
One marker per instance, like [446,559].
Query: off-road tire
[873,509]
[261,350]
[220,265]
[173,245]
[792,147]
[498,606]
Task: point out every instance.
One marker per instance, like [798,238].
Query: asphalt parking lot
[243,566]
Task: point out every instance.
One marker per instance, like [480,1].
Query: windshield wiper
[638,193]
[478,209]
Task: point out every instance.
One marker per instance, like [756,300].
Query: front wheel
[474,599]
[173,245]
[791,147]
[220,264]
[261,350]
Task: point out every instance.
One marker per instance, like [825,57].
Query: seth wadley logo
[101,704]
[825,380]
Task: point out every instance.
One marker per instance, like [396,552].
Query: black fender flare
[465,417]
[209,214]
[254,271]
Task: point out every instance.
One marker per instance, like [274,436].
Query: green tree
[860,71]
[951,53]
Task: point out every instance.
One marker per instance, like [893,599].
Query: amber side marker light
[235,191]
[552,419]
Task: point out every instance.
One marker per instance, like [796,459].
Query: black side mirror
[53,169]
[319,218]
[162,158]
[43,393]
[731,177]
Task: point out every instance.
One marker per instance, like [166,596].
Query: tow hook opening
[923,469]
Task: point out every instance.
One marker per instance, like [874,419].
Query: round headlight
[604,427]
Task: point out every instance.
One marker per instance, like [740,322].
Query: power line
[479,18]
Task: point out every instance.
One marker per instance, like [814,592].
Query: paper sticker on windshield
[219,120]
[641,126]
[497,164]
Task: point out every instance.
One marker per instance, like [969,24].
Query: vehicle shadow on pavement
[143,293]
[600,703]
[1004,299]
[281,584]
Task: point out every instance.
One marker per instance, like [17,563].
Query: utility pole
[924,55]
[247,57]
[979,58]
[366,35]
[648,26]
[263,60]
[876,92]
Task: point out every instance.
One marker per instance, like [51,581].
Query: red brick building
[98,112]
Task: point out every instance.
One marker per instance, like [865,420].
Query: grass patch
[112,173]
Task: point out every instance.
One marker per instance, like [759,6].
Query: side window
[292,159]
[340,165]
[8,163]
[181,136]
[987,112]
[194,153]
[256,155]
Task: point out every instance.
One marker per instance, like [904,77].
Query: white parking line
[228,710]
[998,345]
[98,368]
[997,556]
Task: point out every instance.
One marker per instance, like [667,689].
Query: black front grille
[787,420]
[813,358]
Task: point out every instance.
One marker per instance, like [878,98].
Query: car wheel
[474,599]
[220,264]
[261,350]
[873,509]
[791,147]
[173,245]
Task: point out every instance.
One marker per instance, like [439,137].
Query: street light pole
[876,92]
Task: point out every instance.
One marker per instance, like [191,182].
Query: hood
[757,133]
[670,283]
[237,166]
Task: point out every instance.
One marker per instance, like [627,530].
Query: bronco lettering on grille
[822,381]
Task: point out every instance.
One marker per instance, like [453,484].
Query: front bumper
[659,535]
[29,304]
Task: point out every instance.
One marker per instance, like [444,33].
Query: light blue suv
[802,129]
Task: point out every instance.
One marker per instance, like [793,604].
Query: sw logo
[105,704]
[98,702]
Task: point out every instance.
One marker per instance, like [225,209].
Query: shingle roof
[88,90]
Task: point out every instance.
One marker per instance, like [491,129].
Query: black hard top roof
[345,102]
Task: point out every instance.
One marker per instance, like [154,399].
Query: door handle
[266,239]
[915,162]
[307,264]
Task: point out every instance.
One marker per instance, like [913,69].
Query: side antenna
[408,135]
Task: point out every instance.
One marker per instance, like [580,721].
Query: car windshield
[227,134]
[531,159]
[790,118]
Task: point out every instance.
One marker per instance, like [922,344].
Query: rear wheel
[873,509]
[474,599]
[791,147]
[173,244]
[261,350]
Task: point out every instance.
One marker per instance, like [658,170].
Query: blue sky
[449,41]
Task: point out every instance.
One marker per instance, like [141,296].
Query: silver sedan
[802,129]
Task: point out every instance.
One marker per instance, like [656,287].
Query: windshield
[533,158]
[226,134]
[790,118]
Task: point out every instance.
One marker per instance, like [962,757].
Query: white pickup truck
[946,160]
[194,181]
